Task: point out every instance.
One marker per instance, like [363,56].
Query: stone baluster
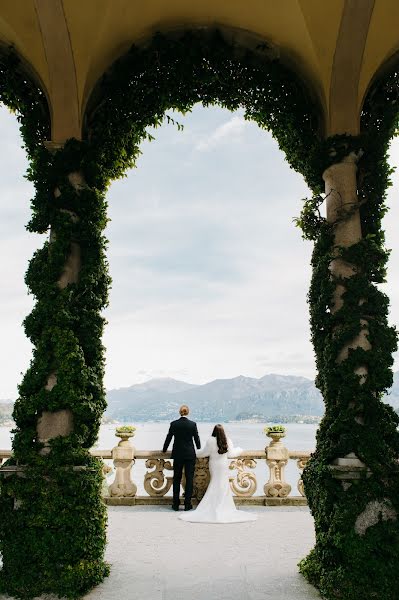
[123,457]
[201,478]
[105,487]
[277,457]
[301,463]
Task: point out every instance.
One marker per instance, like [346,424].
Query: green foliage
[52,527]
[52,531]
[178,73]
[345,564]
[274,429]
[126,429]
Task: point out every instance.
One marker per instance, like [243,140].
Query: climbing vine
[350,560]
[52,529]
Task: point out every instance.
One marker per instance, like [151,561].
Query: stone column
[55,484]
[60,422]
[343,213]
[351,480]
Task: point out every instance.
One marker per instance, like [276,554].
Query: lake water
[249,436]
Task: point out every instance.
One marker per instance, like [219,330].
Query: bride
[217,505]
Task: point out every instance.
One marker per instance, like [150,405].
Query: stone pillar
[352,479]
[56,484]
[60,422]
[343,213]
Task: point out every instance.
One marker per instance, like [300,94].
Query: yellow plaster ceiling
[70,43]
[382,41]
[19,27]
[121,22]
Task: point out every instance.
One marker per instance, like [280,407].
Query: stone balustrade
[146,476]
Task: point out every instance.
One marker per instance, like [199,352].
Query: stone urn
[276,437]
[125,434]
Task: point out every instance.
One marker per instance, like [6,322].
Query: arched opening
[380,115]
[25,122]
[218,74]
[390,288]
[16,249]
[200,223]
[210,278]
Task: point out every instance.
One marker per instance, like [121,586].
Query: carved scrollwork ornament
[155,482]
[244,484]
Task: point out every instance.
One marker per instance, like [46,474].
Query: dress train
[217,505]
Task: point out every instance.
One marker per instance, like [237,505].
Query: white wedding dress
[217,505]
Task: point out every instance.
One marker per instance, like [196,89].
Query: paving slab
[155,556]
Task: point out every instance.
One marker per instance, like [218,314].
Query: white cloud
[231,130]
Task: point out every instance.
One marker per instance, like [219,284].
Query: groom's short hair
[184,410]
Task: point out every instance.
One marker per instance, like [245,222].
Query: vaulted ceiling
[338,46]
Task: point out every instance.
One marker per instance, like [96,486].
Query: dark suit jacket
[184,431]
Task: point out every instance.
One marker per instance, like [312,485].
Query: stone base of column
[52,530]
[356,555]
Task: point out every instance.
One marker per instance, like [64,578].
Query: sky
[210,274]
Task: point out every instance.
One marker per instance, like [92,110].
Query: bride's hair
[221,439]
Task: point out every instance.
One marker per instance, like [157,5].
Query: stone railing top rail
[299,453]
[107,454]
[158,479]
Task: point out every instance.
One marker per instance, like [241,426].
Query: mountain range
[273,397]
[284,397]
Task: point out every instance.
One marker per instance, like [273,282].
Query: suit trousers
[189,467]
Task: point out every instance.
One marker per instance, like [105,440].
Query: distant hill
[6,407]
[241,398]
[222,399]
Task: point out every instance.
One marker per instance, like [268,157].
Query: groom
[183,453]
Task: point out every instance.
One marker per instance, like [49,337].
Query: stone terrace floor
[154,556]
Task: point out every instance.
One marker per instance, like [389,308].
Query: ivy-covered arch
[65,326]
[197,66]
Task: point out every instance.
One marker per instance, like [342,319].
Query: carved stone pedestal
[276,458]
[123,457]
